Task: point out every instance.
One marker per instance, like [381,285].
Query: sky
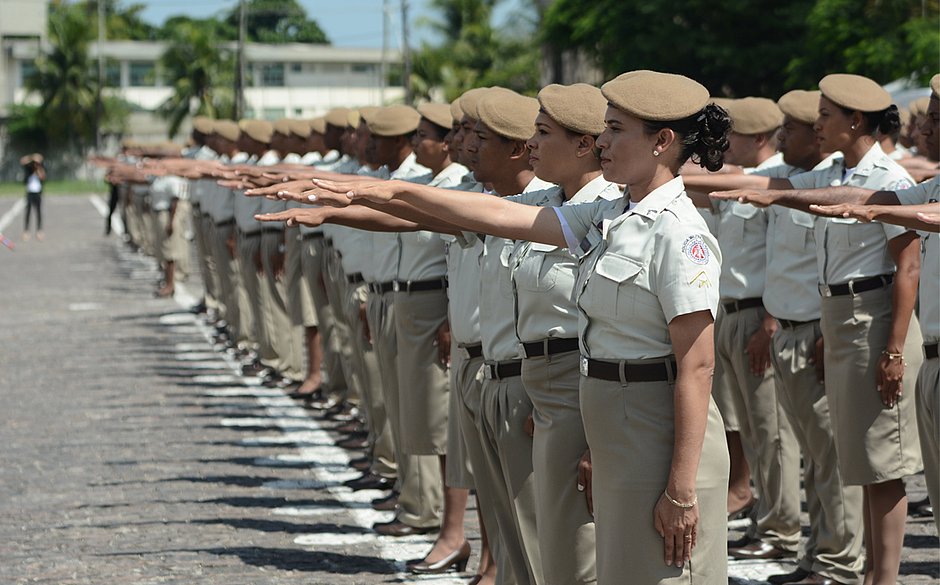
[348,23]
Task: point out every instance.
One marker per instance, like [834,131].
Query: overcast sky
[348,23]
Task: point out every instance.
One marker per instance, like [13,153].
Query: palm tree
[201,74]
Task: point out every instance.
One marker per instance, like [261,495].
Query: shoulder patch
[696,250]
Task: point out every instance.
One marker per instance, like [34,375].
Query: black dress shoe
[353,443]
[361,464]
[759,551]
[369,481]
[396,528]
[817,579]
[387,504]
[741,542]
[798,575]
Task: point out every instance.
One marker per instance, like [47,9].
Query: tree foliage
[750,47]
[276,21]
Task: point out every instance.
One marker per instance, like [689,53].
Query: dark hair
[439,131]
[703,136]
[886,121]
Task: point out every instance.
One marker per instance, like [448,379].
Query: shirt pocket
[796,232]
[612,288]
[841,233]
[538,269]
[741,223]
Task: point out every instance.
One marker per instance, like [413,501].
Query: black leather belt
[225,223]
[853,287]
[312,235]
[550,346]
[355,278]
[930,351]
[380,288]
[623,371]
[473,351]
[252,234]
[502,370]
[788,324]
[410,286]
[271,229]
[735,306]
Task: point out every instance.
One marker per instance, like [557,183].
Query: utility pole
[383,68]
[240,62]
[406,53]
[99,102]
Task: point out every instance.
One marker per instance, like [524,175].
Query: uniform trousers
[299,306]
[420,497]
[834,547]
[463,372]
[313,269]
[339,343]
[202,225]
[874,443]
[507,450]
[147,217]
[771,449]
[565,526]
[630,428]
[928,425]
[248,247]
[230,284]
[283,337]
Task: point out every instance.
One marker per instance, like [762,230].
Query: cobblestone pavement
[133,454]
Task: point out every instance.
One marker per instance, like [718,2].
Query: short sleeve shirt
[643,267]
[464,262]
[927,192]
[847,249]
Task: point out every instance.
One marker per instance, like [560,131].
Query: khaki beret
[630,74]
[282,126]
[395,120]
[300,128]
[337,117]
[227,129]
[935,84]
[508,114]
[854,92]
[650,95]
[579,107]
[919,106]
[318,125]
[754,115]
[353,118]
[905,115]
[366,113]
[203,124]
[801,105]
[456,112]
[259,130]
[470,99]
[437,114]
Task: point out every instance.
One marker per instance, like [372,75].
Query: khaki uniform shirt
[847,249]
[464,262]
[642,268]
[163,190]
[544,277]
[355,245]
[927,192]
[385,246]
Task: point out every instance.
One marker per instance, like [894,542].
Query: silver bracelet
[679,504]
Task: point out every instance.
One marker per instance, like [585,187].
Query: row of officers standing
[537,299]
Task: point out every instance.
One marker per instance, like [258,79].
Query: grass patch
[67,187]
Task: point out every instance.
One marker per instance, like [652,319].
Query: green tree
[122,22]
[202,76]
[277,21]
[214,27]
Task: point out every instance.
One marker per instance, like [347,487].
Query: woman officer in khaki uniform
[647,294]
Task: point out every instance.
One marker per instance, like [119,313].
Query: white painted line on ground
[85,306]
[179,319]
[198,356]
[239,391]
[117,226]
[11,213]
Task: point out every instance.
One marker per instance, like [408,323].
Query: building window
[272,113]
[112,73]
[28,71]
[298,112]
[296,67]
[143,74]
[272,75]
[363,68]
[333,68]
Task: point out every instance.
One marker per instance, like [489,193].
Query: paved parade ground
[131,452]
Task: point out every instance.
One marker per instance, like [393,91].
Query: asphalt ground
[132,452]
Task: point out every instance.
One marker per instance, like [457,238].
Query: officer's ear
[519,149]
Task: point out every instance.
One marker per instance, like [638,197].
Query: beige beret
[630,74]
[754,115]
[203,124]
[437,114]
[353,118]
[227,129]
[801,105]
[282,126]
[919,106]
[470,99]
[337,117]
[508,114]
[259,130]
[579,107]
[855,92]
[366,113]
[318,125]
[905,115]
[300,128]
[935,84]
[456,112]
[396,120]
[650,95]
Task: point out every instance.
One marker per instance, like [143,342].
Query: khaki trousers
[565,527]
[463,372]
[249,307]
[834,547]
[875,444]
[313,269]
[507,449]
[210,279]
[283,337]
[630,429]
[340,345]
[928,425]
[771,449]
[229,280]
[299,310]
[423,389]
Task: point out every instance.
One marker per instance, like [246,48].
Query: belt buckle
[824,290]
[584,366]
[489,371]
[396,286]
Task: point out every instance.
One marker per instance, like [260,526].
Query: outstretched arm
[356,216]
[802,199]
[911,216]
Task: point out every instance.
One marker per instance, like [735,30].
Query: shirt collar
[654,203]
[591,191]
[875,157]
[451,171]
[537,184]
